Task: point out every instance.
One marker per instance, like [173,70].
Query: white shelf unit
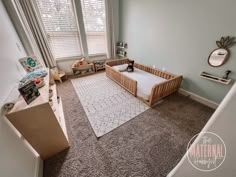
[40,124]
[215,78]
[121,55]
[122,49]
[119,47]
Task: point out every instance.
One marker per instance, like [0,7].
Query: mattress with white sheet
[145,81]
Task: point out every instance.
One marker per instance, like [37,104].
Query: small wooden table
[99,65]
[83,69]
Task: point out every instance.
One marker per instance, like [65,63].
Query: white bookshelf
[39,123]
[215,78]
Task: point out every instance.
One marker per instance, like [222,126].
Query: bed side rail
[155,71]
[164,89]
[127,83]
[117,62]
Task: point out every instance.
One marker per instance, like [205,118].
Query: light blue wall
[179,36]
[16,159]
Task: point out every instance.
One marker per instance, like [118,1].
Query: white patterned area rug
[106,104]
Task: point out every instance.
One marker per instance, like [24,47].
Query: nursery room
[117,88]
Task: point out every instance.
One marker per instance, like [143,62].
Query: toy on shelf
[226,76]
[39,82]
[82,67]
[39,73]
[122,45]
[121,53]
[99,65]
[30,63]
[29,91]
[121,49]
[30,83]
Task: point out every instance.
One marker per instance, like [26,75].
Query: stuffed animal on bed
[130,67]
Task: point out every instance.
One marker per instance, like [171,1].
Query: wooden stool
[57,74]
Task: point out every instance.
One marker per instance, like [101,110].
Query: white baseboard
[198,98]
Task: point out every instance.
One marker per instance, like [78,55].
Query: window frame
[46,34]
[106,47]
[79,20]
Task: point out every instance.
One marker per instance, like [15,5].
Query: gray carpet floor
[149,145]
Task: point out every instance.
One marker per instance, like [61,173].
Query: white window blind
[60,23]
[95,25]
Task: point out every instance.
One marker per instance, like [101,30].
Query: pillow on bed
[121,67]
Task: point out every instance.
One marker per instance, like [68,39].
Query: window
[95,25]
[60,24]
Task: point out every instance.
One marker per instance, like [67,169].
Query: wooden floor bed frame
[158,92]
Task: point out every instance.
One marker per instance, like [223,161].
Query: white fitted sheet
[145,81]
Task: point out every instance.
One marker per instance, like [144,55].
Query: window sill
[59,60]
[97,57]
[91,58]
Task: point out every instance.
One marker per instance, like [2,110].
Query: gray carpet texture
[149,145]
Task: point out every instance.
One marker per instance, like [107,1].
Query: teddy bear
[130,67]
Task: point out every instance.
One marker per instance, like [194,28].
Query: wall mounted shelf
[122,45]
[215,78]
[121,55]
[121,48]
